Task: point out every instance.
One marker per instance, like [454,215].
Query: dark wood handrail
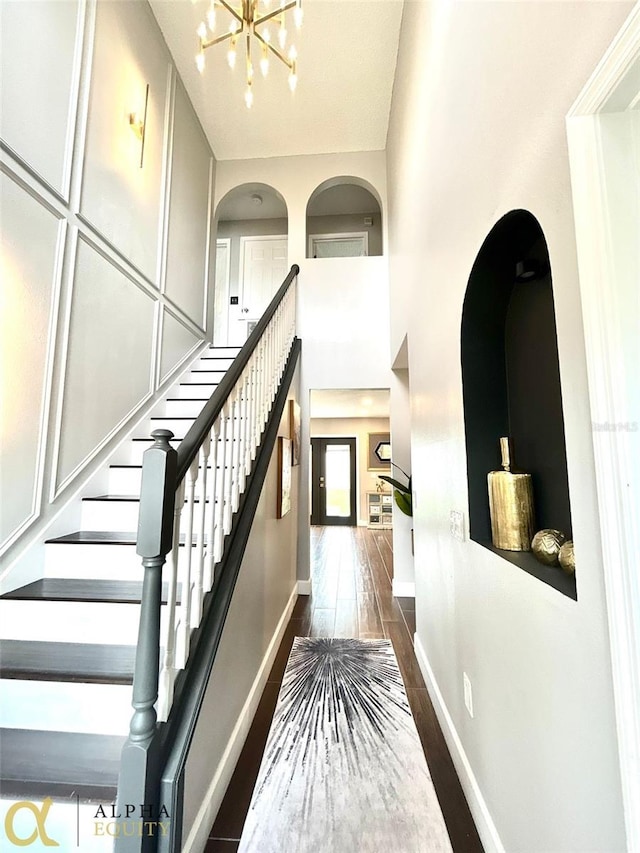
[191,443]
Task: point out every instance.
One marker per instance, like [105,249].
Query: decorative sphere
[546,546]
[567,558]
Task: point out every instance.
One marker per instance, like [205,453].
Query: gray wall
[538,759]
[105,265]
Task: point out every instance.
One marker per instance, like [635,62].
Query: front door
[263,268]
[333,481]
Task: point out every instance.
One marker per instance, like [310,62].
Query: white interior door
[263,268]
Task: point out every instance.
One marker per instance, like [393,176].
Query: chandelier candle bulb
[251,19]
[510,505]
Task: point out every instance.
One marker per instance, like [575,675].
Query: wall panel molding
[15,301]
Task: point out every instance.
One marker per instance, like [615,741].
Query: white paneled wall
[120,199]
[177,341]
[89,231]
[191,163]
[101,348]
[38,111]
[28,272]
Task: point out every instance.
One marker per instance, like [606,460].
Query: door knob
[245,310]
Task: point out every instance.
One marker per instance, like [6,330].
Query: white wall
[477,129]
[105,263]
[358,428]
[257,616]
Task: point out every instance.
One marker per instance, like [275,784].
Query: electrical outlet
[456,524]
[468,695]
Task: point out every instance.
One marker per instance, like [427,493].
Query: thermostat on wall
[368,220]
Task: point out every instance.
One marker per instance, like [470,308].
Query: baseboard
[479,809]
[197,838]
[304,587]
[403,589]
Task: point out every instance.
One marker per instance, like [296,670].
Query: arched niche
[251,214]
[344,219]
[511,383]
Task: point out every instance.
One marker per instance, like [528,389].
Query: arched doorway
[251,259]
[344,219]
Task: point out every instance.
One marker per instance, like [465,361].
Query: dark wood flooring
[351,572]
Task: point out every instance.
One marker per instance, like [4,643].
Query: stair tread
[80,662]
[95,537]
[81,590]
[101,537]
[59,763]
[130,498]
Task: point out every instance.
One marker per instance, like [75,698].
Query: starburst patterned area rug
[343,770]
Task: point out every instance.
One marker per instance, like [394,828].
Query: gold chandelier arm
[237,15]
[274,50]
[205,44]
[273,14]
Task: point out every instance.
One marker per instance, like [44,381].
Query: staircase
[67,641]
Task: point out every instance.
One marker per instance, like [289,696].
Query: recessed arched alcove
[511,383]
[344,219]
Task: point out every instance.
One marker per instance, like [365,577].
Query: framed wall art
[294,431]
[379,453]
[284,477]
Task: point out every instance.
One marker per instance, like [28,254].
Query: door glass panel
[338,480]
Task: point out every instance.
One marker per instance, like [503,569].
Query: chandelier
[253,21]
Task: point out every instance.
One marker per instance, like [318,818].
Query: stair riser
[105,516]
[183,408]
[189,391]
[132,451]
[214,363]
[57,706]
[205,374]
[70,621]
[178,426]
[124,481]
[100,562]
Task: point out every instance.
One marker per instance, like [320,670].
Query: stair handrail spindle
[226,435]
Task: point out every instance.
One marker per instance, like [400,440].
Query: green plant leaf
[404,502]
[396,484]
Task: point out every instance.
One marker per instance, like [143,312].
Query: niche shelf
[511,384]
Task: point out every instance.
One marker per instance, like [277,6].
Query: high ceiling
[347,58]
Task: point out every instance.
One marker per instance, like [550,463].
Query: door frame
[617,479]
[318,517]
[221,297]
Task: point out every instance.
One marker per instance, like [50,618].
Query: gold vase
[510,505]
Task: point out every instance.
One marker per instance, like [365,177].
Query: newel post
[138,786]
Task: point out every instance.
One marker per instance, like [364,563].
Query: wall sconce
[139,125]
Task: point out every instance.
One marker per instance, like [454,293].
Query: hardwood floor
[351,571]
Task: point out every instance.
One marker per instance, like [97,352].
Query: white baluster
[168,669]
[227,514]
[221,467]
[211,537]
[186,591]
[198,586]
